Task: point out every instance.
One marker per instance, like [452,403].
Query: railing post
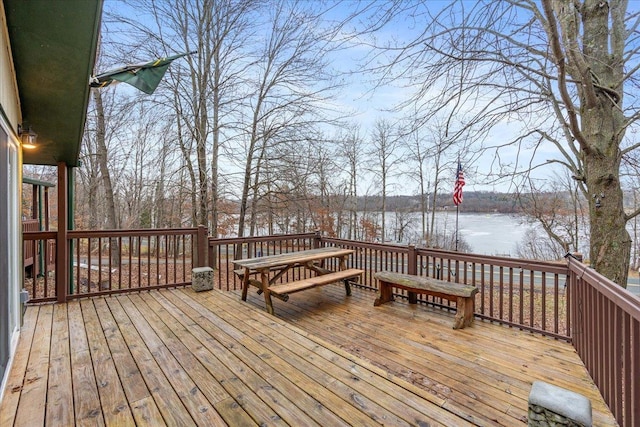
[317,240]
[201,252]
[412,261]
[213,255]
[571,292]
[62,253]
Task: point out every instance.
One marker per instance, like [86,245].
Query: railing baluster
[543,286]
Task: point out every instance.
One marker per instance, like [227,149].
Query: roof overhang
[54,45]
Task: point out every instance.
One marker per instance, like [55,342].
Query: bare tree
[419,155]
[102,157]
[384,151]
[536,245]
[560,209]
[562,68]
[293,81]
[350,148]
[203,86]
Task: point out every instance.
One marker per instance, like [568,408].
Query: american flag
[457,189]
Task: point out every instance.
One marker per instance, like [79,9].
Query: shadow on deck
[175,357]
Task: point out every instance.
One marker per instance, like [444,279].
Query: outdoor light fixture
[27,137]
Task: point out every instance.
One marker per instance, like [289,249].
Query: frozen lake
[491,234]
[487,234]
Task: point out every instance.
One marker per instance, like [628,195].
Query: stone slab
[561,401]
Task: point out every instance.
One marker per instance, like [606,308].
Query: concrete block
[202,279]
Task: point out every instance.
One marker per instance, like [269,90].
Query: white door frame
[10,249]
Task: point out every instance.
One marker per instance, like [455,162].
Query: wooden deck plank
[128,372]
[60,384]
[325,359]
[290,403]
[348,383]
[328,317]
[15,381]
[320,400]
[146,412]
[486,349]
[486,374]
[32,405]
[113,400]
[386,394]
[486,353]
[463,395]
[233,414]
[244,380]
[88,410]
[200,409]
[167,400]
[184,347]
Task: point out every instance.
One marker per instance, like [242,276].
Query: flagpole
[457,212]
[457,197]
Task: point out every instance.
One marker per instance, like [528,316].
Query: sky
[368,105]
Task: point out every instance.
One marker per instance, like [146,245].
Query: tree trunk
[610,248]
[103,161]
[595,59]
[101,144]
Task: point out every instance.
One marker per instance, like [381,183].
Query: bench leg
[268,303]
[267,294]
[347,287]
[413,297]
[385,293]
[245,289]
[245,283]
[464,313]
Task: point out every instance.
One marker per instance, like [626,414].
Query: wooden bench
[464,295]
[282,291]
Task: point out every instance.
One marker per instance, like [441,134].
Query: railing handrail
[268,238]
[357,244]
[39,235]
[605,333]
[554,267]
[609,289]
[132,232]
[34,235]
[111,261]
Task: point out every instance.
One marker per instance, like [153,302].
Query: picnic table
[312,260]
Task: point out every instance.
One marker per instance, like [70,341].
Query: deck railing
[565,300]
[115,261]
[37,255]
[606,335]
[530,295]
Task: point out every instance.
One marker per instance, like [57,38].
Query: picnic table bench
[464,295]
[311,260]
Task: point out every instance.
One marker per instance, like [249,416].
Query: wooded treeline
[262,114]
[248,134]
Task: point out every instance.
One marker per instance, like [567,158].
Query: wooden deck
[174,357]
